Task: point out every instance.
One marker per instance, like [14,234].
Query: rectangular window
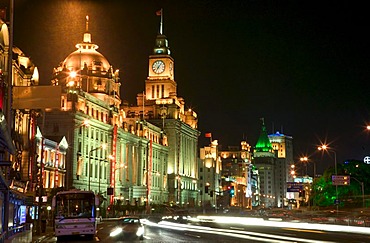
[162,90]
[152,91]
[96,170]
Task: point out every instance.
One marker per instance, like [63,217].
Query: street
[265,231]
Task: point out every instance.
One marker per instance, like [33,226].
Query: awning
[6,141]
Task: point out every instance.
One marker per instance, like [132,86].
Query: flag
[3,13]
[159,12]
[208,135]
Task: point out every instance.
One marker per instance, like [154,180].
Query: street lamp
[103,146]
[292,171]
[363,191]
[82,126]
[305,161]
[326,148]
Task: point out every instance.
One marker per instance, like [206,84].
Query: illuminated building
[21,149]
[237,172]
[283,147]
[264,159]
[210,168]
[52,156]
[273,155]
[160,105]
[108,151]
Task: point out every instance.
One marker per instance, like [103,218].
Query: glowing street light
[305,161]
[292,172]
[326,148]
[73,74]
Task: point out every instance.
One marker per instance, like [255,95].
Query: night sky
[302,65]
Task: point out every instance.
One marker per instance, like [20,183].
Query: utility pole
[363,191]
[38,229]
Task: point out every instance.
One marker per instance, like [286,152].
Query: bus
[75,213]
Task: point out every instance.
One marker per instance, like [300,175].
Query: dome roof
[86,57]
[263,143]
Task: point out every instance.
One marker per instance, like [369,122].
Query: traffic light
[206,189]
[110,191]
[232,191]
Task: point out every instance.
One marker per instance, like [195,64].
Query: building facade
[210,183]
[273,156]
[283,147]
[110,153]
[237,174]
[264,159]
[160,105]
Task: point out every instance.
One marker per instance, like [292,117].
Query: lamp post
[326,148]
[305,161]
[292,172]
[71,139]
[103,146]
[39,206]
[363,191]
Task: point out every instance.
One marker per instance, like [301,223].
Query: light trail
[282,224]
[241,234]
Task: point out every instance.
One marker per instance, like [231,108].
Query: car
[128,228]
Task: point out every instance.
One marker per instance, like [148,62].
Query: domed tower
[265,161]
[89,113]
[88,70]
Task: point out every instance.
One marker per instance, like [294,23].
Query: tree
[323,192]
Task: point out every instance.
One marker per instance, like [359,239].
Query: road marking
[237,228]
[196,236]
[305,230]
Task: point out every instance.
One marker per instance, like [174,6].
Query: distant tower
[283,147]
[265,162]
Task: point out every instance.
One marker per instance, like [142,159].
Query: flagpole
[161,26]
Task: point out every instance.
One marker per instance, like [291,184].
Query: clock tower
[160,106]
[161,80]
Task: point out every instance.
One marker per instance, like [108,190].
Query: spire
[87,23]
[263,143]
[87,35]
[161,43]
[86,43]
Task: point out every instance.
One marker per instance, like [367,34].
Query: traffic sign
[294,187]
[341,180]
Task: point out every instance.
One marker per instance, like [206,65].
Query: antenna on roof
[87,23]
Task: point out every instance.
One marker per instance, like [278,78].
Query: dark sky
[302,65]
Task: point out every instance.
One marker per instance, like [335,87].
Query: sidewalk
[29,237]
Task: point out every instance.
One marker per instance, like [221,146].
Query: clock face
[158,66]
